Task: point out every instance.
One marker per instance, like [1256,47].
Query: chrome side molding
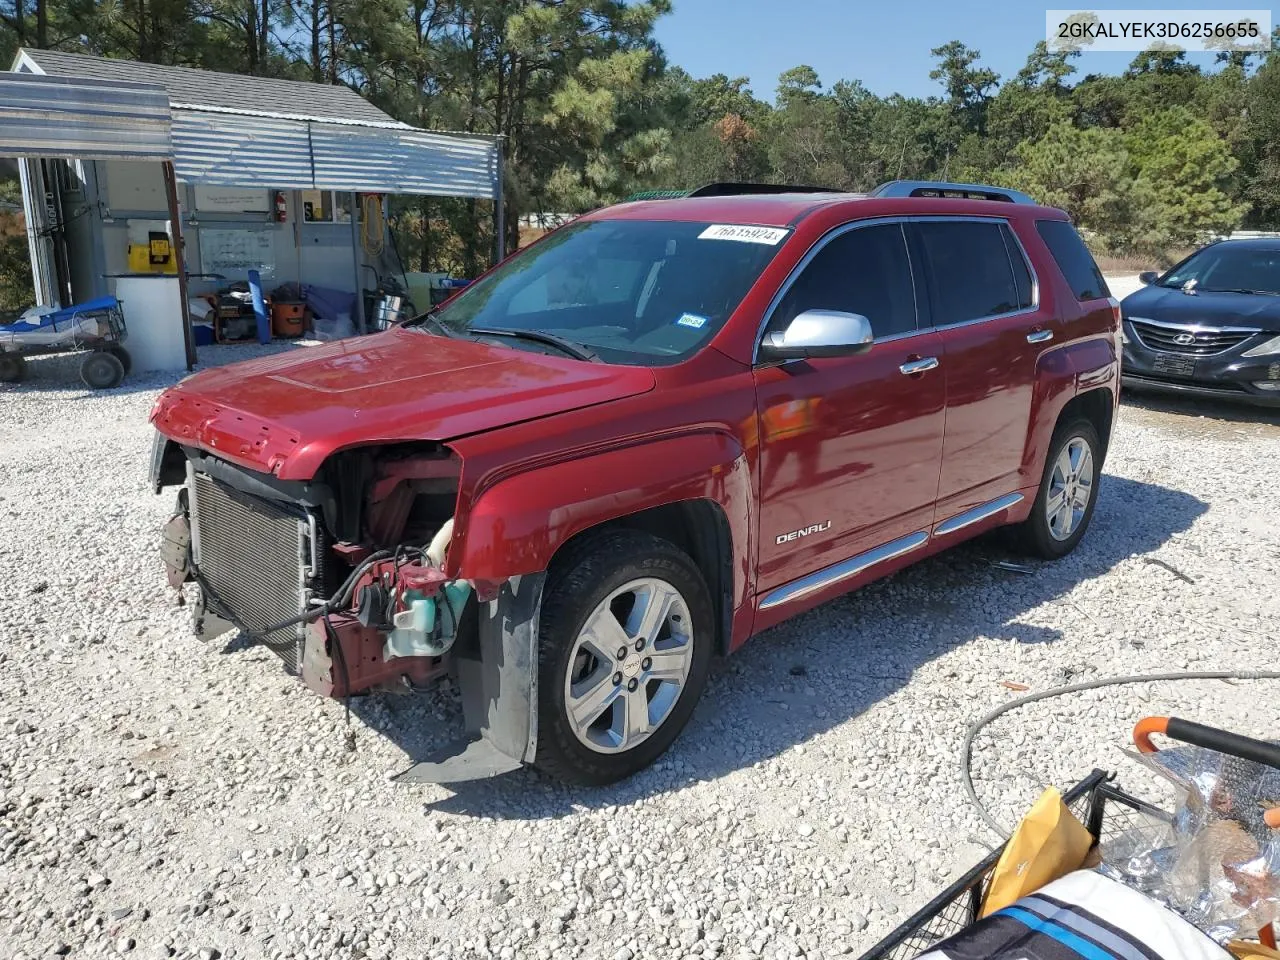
[977,514]
[822,579]
[826,577]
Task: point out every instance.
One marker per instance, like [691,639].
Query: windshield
[1227,268]
[647,292]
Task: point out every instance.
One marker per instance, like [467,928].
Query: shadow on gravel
[1202,407]
[824,667]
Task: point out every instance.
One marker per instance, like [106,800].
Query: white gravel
[160,797]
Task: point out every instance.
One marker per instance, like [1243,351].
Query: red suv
[663,428]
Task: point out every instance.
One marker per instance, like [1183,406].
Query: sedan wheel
[629,665]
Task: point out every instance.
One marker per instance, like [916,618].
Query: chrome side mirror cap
[819,333]
[1148,277]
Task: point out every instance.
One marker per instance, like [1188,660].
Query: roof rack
[937,188]
[727,189]
[730,189]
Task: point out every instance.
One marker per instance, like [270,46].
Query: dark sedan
[1210,326]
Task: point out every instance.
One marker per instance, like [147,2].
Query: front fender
[515,524]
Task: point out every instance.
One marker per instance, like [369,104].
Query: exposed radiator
[259,557]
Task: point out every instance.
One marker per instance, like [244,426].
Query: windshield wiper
[1261,293]
[579,351]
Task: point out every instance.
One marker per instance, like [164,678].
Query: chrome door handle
[919,366]
[1039,336]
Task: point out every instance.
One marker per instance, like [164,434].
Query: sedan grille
[1195,341]
[259,558]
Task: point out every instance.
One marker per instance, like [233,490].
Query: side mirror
[820,333]
[1148,277]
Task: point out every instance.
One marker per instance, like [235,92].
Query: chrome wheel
[1070,489]
[629,665]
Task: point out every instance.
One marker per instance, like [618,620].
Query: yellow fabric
[1049,843]
[1249,950]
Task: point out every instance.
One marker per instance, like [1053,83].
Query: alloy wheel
[629,665]
[1070,489]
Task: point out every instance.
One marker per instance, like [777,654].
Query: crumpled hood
[1207,309]
[286,413]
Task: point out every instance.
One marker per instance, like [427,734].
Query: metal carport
[224,130]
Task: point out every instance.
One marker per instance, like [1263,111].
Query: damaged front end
[344,577]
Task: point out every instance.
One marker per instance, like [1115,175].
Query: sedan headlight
[1267,349]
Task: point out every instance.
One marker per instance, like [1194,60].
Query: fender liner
[499,684]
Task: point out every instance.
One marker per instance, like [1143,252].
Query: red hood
[287,413]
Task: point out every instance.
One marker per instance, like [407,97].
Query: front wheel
[625,642]
[1067,495]
[13,367]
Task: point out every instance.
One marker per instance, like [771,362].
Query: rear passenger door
[984,303]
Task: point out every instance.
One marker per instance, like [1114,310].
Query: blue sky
[884,44]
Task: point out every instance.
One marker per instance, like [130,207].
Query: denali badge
[797,534]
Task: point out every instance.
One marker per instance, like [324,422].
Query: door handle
[1039,336]
[919,366]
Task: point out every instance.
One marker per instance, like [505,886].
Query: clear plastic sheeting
[1215,861]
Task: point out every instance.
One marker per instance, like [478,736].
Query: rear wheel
[13,367]
[1068,493]
[625,642]
[101,370]
[121,354]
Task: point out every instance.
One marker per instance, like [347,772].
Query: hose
[338,601]
[966,753]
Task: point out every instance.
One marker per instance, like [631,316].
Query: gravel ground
[162,797]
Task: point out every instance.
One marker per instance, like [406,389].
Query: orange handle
[1145,728]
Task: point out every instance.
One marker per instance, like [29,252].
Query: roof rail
[937,188]
[730,189]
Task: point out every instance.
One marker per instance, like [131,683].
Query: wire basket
[1106,812]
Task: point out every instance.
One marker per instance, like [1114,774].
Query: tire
[13,367]
[121,354]
[604,579]
[1050,539]
[101,370]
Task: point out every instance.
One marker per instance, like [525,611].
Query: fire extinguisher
[281,207]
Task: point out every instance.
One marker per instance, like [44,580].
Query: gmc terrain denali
[663,428]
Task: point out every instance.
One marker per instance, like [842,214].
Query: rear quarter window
[1073,259]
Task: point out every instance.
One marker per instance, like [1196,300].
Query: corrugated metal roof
[403,161]
[229,91]
[61,117]
[258,133]
[238,151]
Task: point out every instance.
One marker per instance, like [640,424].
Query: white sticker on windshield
[692,320]
[743,232]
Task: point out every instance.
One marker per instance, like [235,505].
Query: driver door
[850,447]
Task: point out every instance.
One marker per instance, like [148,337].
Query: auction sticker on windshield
[743,232]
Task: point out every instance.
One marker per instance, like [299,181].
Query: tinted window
[1021,272]
[1073,259]
[971,271]
[865,270]
[635,291]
